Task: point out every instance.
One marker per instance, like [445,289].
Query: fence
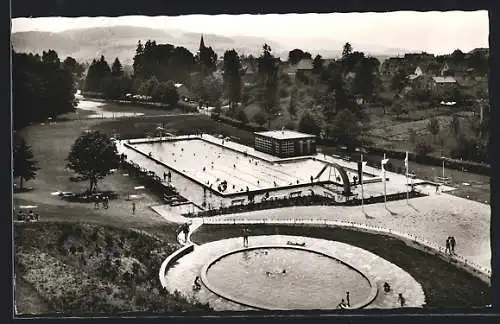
[420,243]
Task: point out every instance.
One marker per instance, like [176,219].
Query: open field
[444,285]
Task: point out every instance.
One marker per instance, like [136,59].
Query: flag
[406,162]
[384,162]
[363,164]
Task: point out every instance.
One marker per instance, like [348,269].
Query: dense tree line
[43,87]
[164,61]
[296,55]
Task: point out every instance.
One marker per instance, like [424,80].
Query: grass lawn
[444,285]
[148,111]
[79,268]
[139,126]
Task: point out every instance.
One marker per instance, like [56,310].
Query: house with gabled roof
[415,75]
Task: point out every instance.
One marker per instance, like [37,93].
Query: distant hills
[121,41]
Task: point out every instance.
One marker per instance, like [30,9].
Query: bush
[291,125]
[423,148]
[283,92]
[285,79]
[260,118]
[242,117]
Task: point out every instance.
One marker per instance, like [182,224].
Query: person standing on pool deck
[348,299]
[186,231]
[452,244]
[447,249]
[245,237]
[401,300]
[133,208]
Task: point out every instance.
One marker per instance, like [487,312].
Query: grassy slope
[444,285]
[74,281]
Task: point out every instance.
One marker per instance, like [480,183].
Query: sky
[435,32]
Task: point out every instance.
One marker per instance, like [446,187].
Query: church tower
[202,43]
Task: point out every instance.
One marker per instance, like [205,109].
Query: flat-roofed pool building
[285,143]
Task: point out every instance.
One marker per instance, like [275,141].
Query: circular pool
[286,277]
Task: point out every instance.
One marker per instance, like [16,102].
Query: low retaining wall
[171,259]
[412,240]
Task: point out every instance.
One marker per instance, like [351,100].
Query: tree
[268,70]
[164,61]
[292,107]
[213,89]
[260,118]
[93,155]
[399,80]
[242,116]
[24,165]
[117,68]
[41,88]
[149,86]
[232,77]
[347,50]
[455,125]
[364,82]
[296,55]
[423,148]
[345,128]
[317,64]
[351,61]
[97,75]
[71,65]
[457,56]
[309,124]
[397,108]
[433,126]
[117,87]
[166,93]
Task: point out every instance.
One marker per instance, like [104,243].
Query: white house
[418,73]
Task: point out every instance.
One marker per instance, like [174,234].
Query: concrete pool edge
[365,302]
[171,259]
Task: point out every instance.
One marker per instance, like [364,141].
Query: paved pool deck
[182,275]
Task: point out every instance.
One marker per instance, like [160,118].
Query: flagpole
[385,195]
[361,180]
[407,162]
